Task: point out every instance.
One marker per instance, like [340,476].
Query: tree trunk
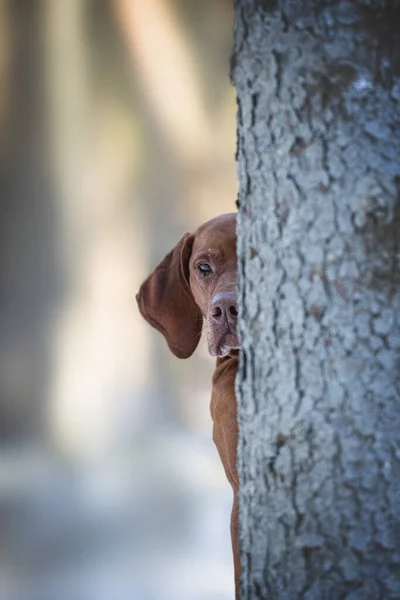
[319,269]
[29,265]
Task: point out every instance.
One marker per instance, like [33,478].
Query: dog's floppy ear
[165,300]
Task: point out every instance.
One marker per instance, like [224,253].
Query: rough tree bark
[319,271]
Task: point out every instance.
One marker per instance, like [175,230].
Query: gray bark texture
[318,388]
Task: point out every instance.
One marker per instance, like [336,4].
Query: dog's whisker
[198,335]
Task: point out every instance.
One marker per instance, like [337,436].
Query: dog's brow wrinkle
[214,252]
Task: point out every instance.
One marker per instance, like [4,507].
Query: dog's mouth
[223,344]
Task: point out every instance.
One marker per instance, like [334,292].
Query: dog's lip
[223,347]
[225,351]
[213,350]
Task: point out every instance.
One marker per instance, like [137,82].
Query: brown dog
[196,281]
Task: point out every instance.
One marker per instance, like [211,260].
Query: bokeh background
[117,135]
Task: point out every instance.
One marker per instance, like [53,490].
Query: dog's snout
[224,307]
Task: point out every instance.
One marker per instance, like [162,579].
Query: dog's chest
[223,398]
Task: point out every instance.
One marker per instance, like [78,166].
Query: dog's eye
[204,268]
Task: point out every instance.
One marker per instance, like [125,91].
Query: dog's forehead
[216,234]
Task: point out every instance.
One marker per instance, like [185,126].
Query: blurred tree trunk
[177,130]
[28,261]
[5,59]
[319,240]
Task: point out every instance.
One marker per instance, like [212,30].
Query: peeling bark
[318,88]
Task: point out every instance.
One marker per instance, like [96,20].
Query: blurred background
[117,135]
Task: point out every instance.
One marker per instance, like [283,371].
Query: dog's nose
[224,307]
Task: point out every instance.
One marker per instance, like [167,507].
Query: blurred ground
[117,135]
[151,524]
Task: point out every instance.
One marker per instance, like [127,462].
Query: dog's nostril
[217,312]
[233,311]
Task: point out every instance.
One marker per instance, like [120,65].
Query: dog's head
[196,281]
